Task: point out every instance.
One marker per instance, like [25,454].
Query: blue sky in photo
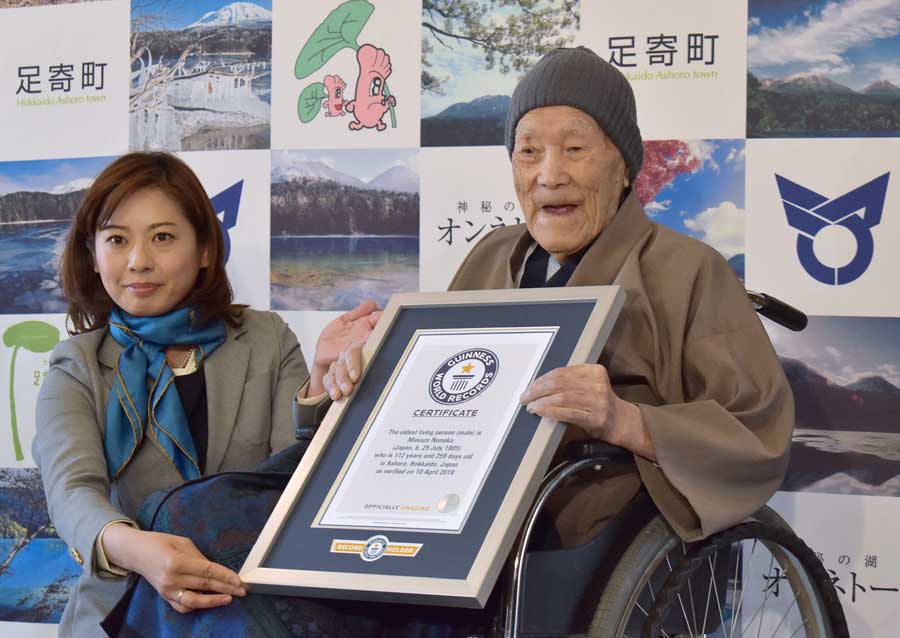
[708,204]
[363,164]
[853,42]
[49,175]
[844,349]
[465,70]
[181,13]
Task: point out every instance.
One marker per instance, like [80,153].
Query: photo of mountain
[845,376]
[345,227]
[823,69]
[200,75]
[38,200]
[696,187]
[468,46]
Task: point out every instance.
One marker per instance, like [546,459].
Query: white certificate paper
[427,449]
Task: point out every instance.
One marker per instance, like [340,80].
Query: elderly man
[688,381]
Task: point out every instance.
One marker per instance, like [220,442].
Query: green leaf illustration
[340,30]
[310,102]
[34,336]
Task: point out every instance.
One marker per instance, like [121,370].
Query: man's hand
[350,329]
[581,395]
[174,566]
[343,374]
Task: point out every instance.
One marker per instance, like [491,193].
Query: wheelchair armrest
[598,450]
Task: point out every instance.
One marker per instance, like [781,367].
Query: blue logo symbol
[227,204]
[375,548]
[859,211]
[464,376]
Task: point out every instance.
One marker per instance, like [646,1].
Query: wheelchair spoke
[716,589]
[794,633]
[785,615]
[737,613]
[684,615]
[712,578]
[761,609]
[690,591]
[765,599]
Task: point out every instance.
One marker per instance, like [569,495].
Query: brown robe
[689,349]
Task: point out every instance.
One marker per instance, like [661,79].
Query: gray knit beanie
[581,79]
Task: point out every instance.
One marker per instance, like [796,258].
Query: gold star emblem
[468,368]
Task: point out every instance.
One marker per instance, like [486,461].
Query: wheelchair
[638,579]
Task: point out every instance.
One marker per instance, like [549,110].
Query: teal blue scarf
[133,406]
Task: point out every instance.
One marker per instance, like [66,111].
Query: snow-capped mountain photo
[243,14]
[397,178]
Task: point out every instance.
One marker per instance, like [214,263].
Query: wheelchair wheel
[756,579]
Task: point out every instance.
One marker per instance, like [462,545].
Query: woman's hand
[174,566]
[581,395]
[351,328]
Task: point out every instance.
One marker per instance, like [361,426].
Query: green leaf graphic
[34,336]
[310,101]
[340,30]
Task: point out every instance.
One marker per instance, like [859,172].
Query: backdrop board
[414,488]
[770,132]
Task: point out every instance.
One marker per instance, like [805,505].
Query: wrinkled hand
[351,328]
[175,568]
[581,395]
[343,374]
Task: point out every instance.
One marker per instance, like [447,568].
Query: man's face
[569,178]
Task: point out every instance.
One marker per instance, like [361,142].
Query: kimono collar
[605,257]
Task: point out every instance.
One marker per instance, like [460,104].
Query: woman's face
[147,254]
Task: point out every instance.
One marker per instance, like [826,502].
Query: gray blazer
[251,381]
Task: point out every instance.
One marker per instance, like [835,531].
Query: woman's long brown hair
[89,303]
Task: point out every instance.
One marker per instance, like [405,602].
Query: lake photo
[845,376]
[29,262]
[36,571]
[337,272]
[345,228]
[38,200]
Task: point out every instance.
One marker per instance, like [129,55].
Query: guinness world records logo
[464,376]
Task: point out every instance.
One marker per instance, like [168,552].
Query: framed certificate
[413,489]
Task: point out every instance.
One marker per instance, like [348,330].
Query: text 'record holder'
[414,489]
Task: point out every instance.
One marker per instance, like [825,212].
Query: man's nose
[553,171]
[140,258]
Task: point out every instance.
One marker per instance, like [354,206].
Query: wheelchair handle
[778,311]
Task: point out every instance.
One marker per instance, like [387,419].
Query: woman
[164,380]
